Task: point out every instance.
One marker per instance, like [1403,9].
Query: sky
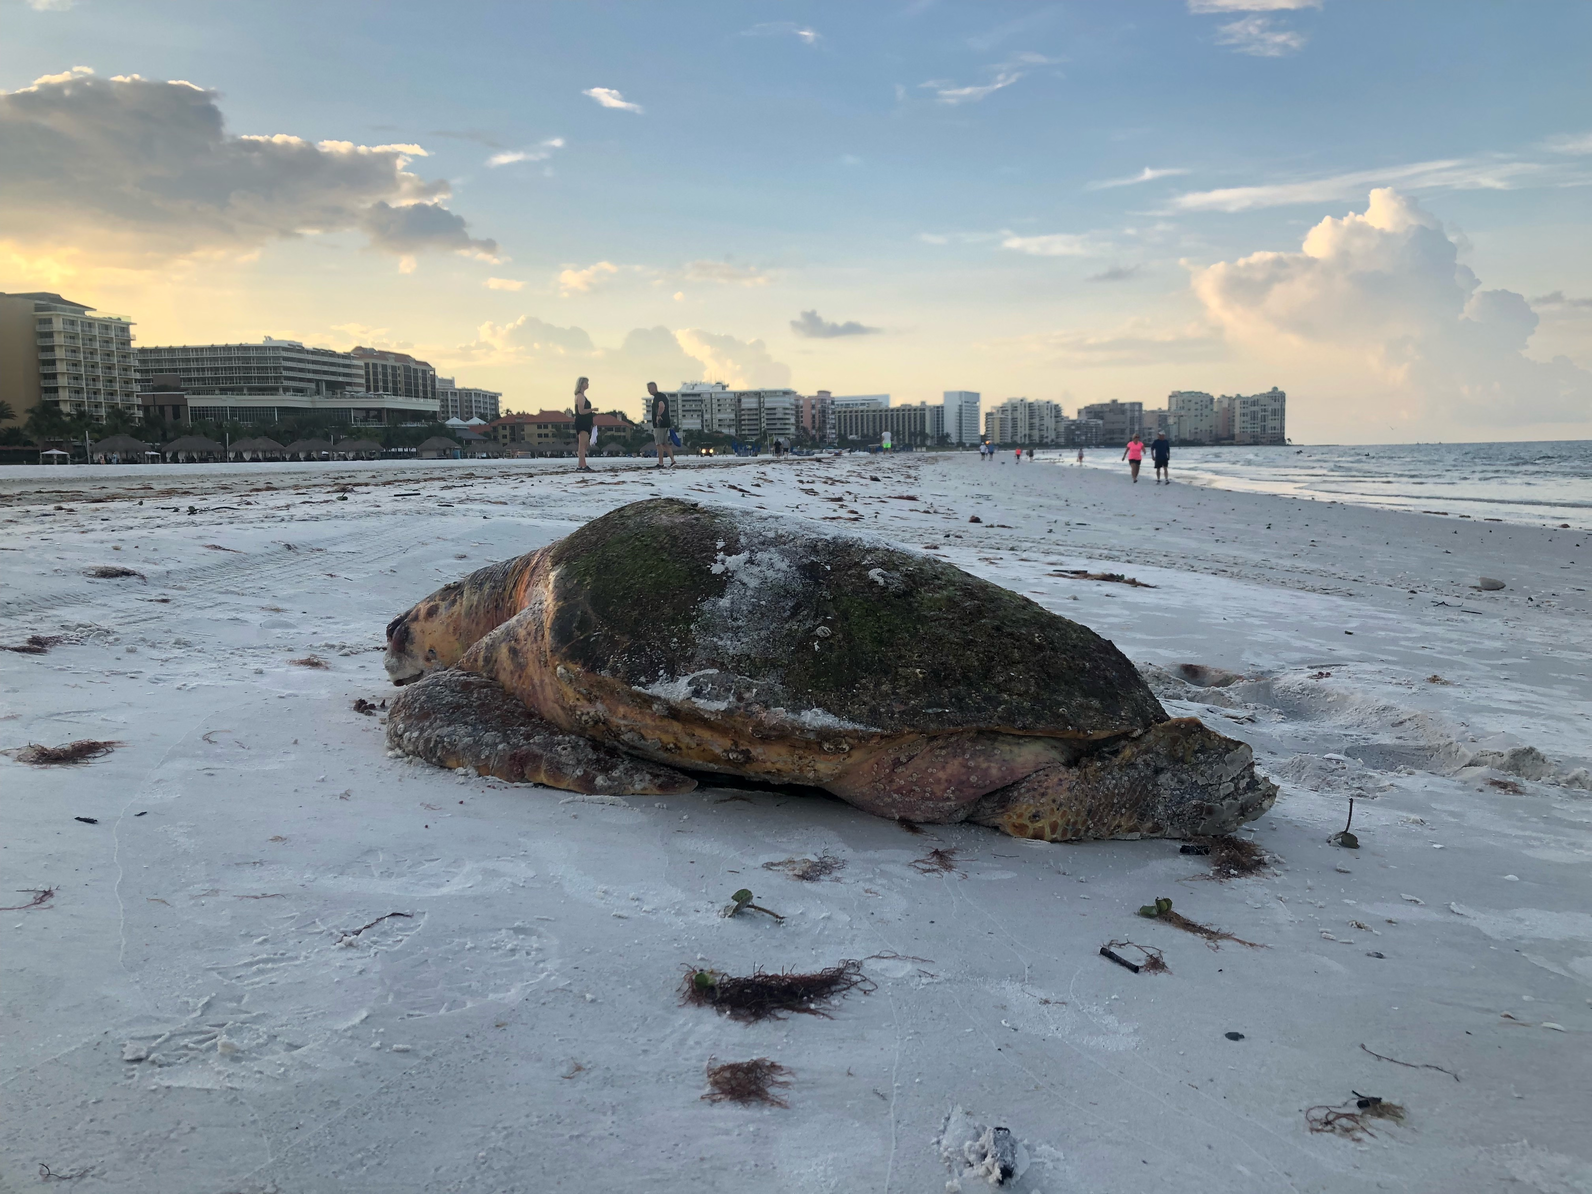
[1384,207]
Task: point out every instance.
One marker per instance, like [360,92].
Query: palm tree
[7,412]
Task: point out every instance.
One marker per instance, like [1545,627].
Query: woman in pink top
[1134,454]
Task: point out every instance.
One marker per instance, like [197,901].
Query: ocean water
[1539,484]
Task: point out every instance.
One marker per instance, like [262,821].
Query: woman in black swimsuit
[583,425]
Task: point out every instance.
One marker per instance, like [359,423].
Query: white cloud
[948,94]
[609,98]
[1054,244]
[584,281]
[1569,143]
[726,272]
[1380,303]
[814,327]
[1148,174]
[1198,6]
[1260,37]
[1117,273]
[737,363]
[540,154]
[504,284]
[1454,173]
[1137,342]
[777,28]
[142,172]
[50,5]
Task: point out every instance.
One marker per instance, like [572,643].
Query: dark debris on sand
[37,644]
[111,572]
[72,752]
[1348,1119]
[310,661]
[941,860]
[747,1082]
[764,996]
[808,870]
[1231,857]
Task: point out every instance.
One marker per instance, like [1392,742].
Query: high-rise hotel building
[65,354]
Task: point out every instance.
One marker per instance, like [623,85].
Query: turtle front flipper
[1177,779]
[460,719]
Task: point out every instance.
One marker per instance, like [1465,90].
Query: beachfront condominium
[1118,420]
[962,422]
[815,416]
[396,373]
[466,402]
[1192,414]
[270,367]
[711,406]
[1253,418]
[910,426]
[55,352]
[1019,421]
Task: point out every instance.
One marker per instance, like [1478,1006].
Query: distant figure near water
[1134,454]
[1161,454]
[583,424]
[1080,455]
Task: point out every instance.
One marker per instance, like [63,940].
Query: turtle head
[427,636]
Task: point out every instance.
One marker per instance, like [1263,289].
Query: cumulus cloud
[584,281]
[609,98]
[141,172]
[504,284]
[1261,37]
[778,28]
[646,354]
[1148,174]
[812,326]
[1385,295]
[727,272]
[541,153]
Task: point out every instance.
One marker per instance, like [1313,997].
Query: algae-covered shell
[725,609]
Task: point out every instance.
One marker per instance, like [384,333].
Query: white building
[840,402]
[467,402]
[962,421]
[745,414]
[273,367]
[1193,417]
[59,353]
[1030,423]
[1256,418]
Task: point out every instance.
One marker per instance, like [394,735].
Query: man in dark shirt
[1161,453]
[662,424]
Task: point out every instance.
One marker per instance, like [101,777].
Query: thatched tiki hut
[260,448]
[438,447]
[358,449]
[308,449]
[193,447]
[124,448]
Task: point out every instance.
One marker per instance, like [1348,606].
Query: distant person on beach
[1080,455]
[1134,454]
[1019,459]
[1030,456]
[1161,454]
[583,424]
[662,424]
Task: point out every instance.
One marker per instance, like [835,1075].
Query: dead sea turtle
[670,638]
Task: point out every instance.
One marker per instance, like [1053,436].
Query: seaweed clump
[1341,1121]
[72,752]
[111,572]
[747,1082]
[808,870]
[764,996]
[1231,857]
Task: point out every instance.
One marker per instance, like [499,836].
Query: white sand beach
[190,1008]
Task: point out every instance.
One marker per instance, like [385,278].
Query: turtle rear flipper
[1177,779]
[460,719]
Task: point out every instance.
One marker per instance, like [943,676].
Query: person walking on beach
[1134,454]
[1019,456]
[584,419]
[1080,455]
[662,425]
[1161,454]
